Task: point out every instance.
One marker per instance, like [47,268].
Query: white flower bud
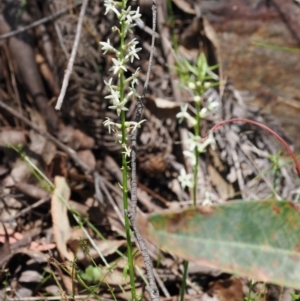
[191,85]
[197,98]
[207,85]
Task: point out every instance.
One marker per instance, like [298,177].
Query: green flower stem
[195,171]
[125,203]
[197,134]
[124,165]
[184,277]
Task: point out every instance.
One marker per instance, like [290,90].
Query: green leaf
[202,66]
[295,296]
[191,68]
[92,274]
[256,239]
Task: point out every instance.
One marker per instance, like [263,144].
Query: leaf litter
[240,166]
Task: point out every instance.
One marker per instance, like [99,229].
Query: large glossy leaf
[259,240]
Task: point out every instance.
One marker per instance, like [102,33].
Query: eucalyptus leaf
[256,239]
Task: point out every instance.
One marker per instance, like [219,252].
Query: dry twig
[69,69]
[152,287]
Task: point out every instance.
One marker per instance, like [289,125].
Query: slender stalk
[197,134]
[195,172]
[124,166]
[183,283]
[125,203]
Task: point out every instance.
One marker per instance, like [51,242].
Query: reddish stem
[220,124]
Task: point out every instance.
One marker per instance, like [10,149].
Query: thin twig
[38,22]
[69,69]
[152,287]
[61,40]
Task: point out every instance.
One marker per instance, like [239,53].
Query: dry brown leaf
[3,171]
[87,157]
[61,225]
[40,144]
[47,73]
[163,103]
[227,290]
[211,34]
[199,37]
[75,138]
[85,141]
[185,6]
[225,189]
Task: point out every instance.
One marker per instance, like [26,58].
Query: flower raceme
[129,51]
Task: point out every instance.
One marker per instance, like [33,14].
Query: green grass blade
[265,45]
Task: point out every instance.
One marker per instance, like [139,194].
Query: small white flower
[134,93]
[130,93]
[108,123]
[138,124]
[186,180]
[195,142]
[110,86]
[133,42]
[134,125]
[212,103]
[191,156]
[134,79]
[132,53]
[126,15]
[118,136]
[128,27]
[115,28]
[114,95]
[107,47]
[119,106]
[184,114]
[118,65]
[203,113]
[127,150]
[210,140]
[136,16]
[201,145]
[130,15]
[112,126]
[111,5]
